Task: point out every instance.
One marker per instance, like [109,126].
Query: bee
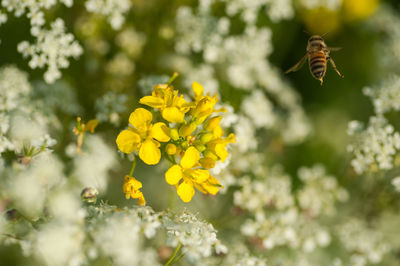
[317,55]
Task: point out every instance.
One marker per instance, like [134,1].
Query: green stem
[133,166]
[178,258]
[173,255]
[174,76]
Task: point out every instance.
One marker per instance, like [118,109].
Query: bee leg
[334,67]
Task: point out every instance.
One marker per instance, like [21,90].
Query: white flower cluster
[118,235]
[275,220]
[114,10]
[375,146]
[131,41]
[273,191]
[91,168]
[396,183]
[365,245]
[240,58]
[329,4]
[52,49]
[120,65]
[34,9]
[199,239]
[257,104]
[21,125]
[110,106]
[14,88]
[387,21]
[276,10]
[320,192]
[387,97]
[59,95]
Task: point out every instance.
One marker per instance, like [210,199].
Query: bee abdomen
[318,65]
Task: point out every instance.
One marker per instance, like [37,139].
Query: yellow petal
[212,185]
[197,89]
[190,158]
[187,129]
[149,152]
[142,200]
[218,132]
[213,123]
[160,132]
[185,191]
[91,125]
[127,141]
[200,175]
[207,162]
[152,101]
[173,115]
[140,117]
[173,175]
[221,151]
[170,149]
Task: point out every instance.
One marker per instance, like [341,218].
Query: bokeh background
[158,37]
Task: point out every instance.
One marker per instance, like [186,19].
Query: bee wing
[298,65]
[335,49]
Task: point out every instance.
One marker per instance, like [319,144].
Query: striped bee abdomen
[317,63]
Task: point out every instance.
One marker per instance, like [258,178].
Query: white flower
[198,238]
[396,183]
[259,109]
[114,10]
[60,244]
[376,144]
[52,49]
[91,168]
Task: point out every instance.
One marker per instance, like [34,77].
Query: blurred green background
[329,107]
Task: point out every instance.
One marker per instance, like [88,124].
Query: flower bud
[212,123]
[185,144]
[174,134]
[170,149]
[89,194]
[200,147]
[187,129]
[207,162]
[210,154]
[206,138]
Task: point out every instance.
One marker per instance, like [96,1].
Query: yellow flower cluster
[190,137]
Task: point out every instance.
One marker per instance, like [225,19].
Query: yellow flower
[80,129]
[143,136]
[359,9]
[131,188]
[171,149]
[186,178]
[218,146]
[165,98]
[204,104]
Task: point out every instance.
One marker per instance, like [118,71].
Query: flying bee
[317,55]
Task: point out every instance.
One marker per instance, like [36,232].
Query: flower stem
[133,166]
[173,255]
[178,258]
[171,79]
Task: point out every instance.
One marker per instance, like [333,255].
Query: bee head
[315,38]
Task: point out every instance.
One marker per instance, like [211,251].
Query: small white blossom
[366,245]
[257,104]
[113,10]
[91,168]
[198,238]
[396,183]
[110,106]
[52,49]
[375,145]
